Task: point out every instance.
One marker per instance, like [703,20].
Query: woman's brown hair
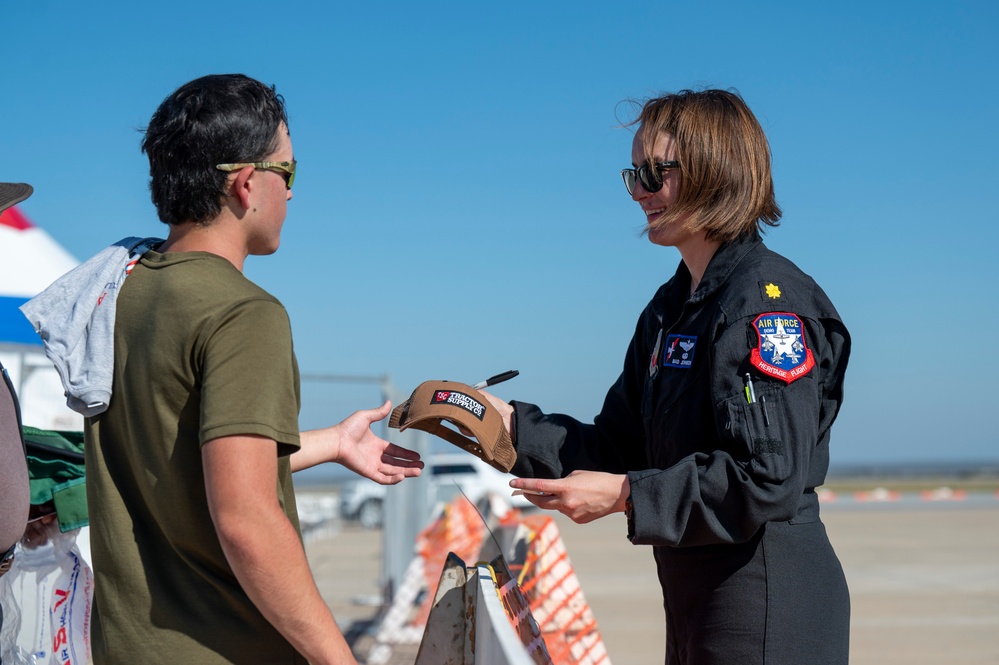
[726,188]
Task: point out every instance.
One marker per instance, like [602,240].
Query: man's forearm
[318,446]
[267,558]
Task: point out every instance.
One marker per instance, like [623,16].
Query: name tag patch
[460,400]
[781,352]
[679,351]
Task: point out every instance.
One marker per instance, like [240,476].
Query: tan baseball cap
[435,401]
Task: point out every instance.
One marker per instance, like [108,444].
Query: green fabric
[200,353]
[57,479]
[70,499]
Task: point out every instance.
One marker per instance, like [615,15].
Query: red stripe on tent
[12,217]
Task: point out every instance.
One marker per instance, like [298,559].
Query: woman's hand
[582,496]
[503,408]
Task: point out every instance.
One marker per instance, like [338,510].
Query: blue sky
[458,209]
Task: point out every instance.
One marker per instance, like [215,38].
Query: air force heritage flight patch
[781,352]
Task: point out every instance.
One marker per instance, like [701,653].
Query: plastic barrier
[459,529]
[543,586]
[479,616]
[556,598]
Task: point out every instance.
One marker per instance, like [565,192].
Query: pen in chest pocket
[751,399]
[750,392]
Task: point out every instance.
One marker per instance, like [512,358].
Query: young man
[196,545]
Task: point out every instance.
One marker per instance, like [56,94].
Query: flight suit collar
[721,265]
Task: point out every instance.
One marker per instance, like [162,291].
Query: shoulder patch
[679,351]
[781,352]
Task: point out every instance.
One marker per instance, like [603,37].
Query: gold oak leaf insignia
[773,291]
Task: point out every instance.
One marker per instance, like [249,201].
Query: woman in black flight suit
[716,434]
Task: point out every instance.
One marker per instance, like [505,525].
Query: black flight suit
[722,487]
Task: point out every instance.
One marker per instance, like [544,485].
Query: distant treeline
[965,469]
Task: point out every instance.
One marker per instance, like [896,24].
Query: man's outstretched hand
[354,445]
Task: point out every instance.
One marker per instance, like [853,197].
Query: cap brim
[12,193]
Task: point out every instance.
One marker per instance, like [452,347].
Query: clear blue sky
[458,209]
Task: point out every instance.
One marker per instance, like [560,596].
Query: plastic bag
[47,597]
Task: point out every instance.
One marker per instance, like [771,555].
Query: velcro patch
[781,352]
[679,351]
[460,400]
[767,446]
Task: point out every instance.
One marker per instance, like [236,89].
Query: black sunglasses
[651,181]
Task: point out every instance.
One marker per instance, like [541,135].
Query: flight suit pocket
[757,433]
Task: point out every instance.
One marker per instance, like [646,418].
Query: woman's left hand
[582,496]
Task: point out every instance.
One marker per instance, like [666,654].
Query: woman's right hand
[503,408]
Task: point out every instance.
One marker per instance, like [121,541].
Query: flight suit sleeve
[756,459]
[554,445]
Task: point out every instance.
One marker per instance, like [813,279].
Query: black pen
[766,417]
[499,378]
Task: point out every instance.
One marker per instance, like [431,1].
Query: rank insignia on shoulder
[781,352]
[679,351]
[771,291]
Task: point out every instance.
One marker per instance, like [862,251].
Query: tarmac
[924,582]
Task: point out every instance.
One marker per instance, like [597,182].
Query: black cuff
[629,513]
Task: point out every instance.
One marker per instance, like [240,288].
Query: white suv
[361,499]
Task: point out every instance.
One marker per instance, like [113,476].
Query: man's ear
[242,186]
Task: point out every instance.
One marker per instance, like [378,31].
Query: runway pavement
[924,582]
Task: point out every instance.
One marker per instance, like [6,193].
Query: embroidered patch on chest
[679,351]
[781,352]
[654,358]
[460,400]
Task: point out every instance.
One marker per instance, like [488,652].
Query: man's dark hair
[217,119]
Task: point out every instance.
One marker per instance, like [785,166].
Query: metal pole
[407,506]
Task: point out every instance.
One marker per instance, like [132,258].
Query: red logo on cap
[442,396]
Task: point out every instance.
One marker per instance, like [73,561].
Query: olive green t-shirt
[201,352]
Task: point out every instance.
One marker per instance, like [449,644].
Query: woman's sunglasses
[651,181]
